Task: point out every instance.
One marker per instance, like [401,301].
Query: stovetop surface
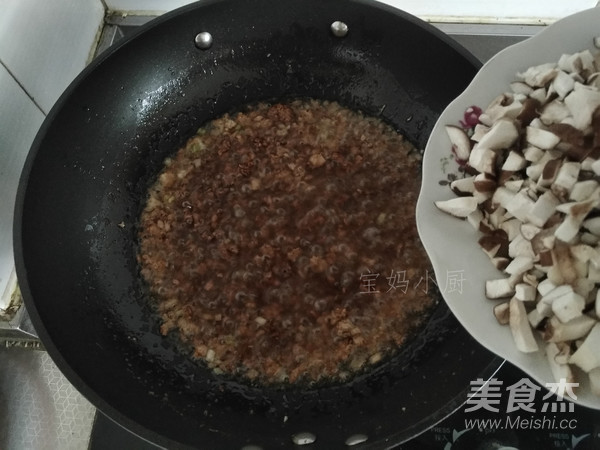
[478,429]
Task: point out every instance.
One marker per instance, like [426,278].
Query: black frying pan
[104,141]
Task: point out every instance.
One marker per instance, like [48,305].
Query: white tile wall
[509,11]
[146,6]
[20,119]
[46,43]
[499,11]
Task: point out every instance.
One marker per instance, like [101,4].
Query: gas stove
[462,430]
[46,412]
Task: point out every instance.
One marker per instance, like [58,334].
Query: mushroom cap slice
[520,328]
[461,144]
[502,134]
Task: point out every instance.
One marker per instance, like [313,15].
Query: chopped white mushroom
[514,185]
[529,230]
[478,132]
[563,84]
[594,80]
[594,274]
[592,225]
[587,356]
[584,286]
[582,190]
[502,313]
[520,328]
[581,104]
[533,154]
[461,143]
[540,75]
[503,106]
[533,191]
[475,218]
[589,238]
[595,166]
[520,87]
[500,262]
[576,62]
[544,306]
[535,171]
[519,265]
[490,247]
[485,184]
[520,205]
[459,207]
[583,252]
[558,331]
[575,215]
[483,159]
[545,286]
[594,376]
[586,164]
[568,306]
[560,371]
[539,94]
[543,209]
[499,288]
[463,186]
[525,292]
[520,246]
[566,179]
[541,138]
[549,173]
[496,218]
[512,227]
[501,135]
[535,318]
[554,112]
[514,162]
[564,264]
[502,197]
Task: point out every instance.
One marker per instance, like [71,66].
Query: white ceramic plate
[460,266]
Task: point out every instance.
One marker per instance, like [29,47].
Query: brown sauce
[280,243]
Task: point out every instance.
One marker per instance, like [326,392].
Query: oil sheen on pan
[278,243]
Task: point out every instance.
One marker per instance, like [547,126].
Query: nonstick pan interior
[102,145]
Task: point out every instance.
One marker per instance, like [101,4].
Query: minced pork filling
[280,243]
